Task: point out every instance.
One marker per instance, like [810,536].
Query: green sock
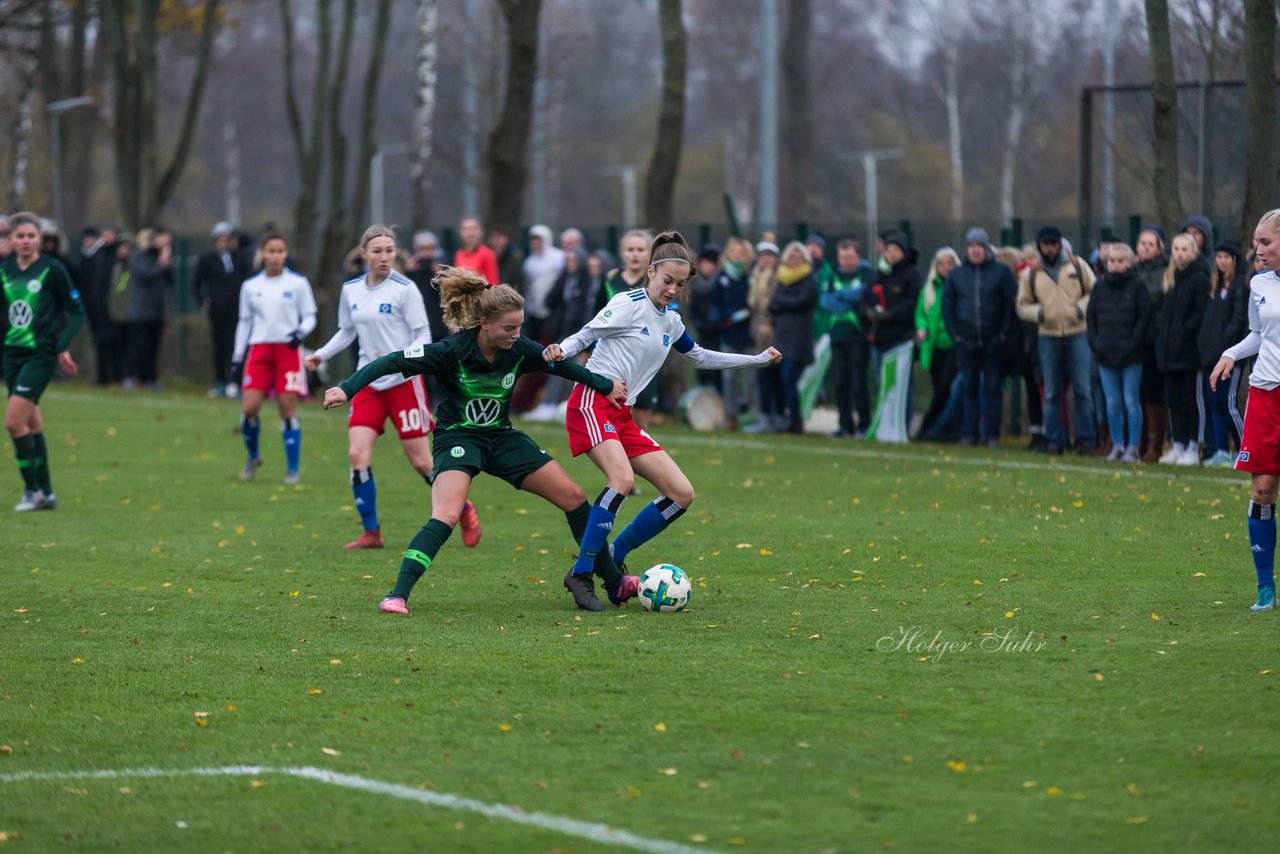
[604,565]
[42,464]
[24,448]
[422,550]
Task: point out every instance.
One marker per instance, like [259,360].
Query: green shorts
[648,398]
[28,372]
[507,454]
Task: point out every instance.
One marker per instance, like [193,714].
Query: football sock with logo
[604,565]
[24,448]
[1262,542]
[291,430]
[366,495]
[249,427]
[599,524]
[42,464]
[649,523]
[423,549]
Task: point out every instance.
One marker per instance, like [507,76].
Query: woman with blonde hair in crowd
[1186,291]
[1153,261]
[771,400]
[792,308]
[1117,318]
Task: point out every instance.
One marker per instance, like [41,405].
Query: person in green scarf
[937,350]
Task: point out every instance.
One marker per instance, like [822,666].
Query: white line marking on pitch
[571,827]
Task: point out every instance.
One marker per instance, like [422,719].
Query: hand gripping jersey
[272,309]
[477,392]
[634,337]
[33,302]
[1263,339]
[387,318]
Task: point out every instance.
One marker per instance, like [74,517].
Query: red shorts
[1260,444]
[592,419]
[277,366]
[404,404]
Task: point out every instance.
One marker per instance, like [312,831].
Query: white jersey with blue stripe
[387,317]
[633,337]
[1263,339]
[273,308]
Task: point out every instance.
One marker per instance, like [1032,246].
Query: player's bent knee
[622,484]
[423,469]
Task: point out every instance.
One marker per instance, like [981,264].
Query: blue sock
[292,431]
[649,523]
[366,497]
[599,524]
[1262,541]
[249,431]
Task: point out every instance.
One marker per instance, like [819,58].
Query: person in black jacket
[977,307]
[1117,319]
[888,310]
[1153,261]
[219,274]
[1226,321]
[792,306]
[1186,292]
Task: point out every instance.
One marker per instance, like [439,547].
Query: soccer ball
[664,588]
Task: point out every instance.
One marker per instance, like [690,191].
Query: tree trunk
[508,153]
[20,133]
[1164,96]
[181,152]
[1013,125]
[424,113]
[952,96]
[1260,120]
[126,92]
[306,142]
[797,123]
[664,165]
[334,242]
[368,121]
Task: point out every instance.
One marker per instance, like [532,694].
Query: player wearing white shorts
[277,311]
[384,311]
[633,334]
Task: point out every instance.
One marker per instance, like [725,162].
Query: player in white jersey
[1260,445]
[385,312]
[633,334]
[277,310]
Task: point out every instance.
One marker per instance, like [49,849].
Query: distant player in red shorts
[384,310]
[1260,445]
[277,310]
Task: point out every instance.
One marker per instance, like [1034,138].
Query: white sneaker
[1190,457]
[1131,455]
[545,411]
[1174,453]
[31,500]
[1220,459]
[1117,451]
[50,502]
[232,390]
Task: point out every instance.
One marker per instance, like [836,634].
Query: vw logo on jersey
[458,451]
[19,315]
[483,411]
[384,308]
[34,286]
[509,380]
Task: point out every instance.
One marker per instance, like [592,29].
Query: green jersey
[34,301]
[477,392]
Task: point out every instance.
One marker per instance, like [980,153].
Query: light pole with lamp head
[55,109]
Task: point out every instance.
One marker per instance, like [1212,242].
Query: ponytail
[466,298]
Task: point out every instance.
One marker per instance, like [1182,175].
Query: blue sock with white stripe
[366,497]
[599,524]
[292,432]
[1262,542]
[249,428]
[649,523]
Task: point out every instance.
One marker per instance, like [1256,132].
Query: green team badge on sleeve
[414,352]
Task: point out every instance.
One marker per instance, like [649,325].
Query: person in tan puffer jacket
[1054,295]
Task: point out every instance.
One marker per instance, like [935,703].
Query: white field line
[831,448]
[571,827]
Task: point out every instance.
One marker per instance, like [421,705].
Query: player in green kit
[35,295]
[477,369]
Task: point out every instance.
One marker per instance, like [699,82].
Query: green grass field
[886,648]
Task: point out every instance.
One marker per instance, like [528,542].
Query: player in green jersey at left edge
[477,369]
[40,313]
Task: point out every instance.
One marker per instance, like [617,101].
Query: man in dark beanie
[1054,294]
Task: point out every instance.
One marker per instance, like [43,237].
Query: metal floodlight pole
[767,214]
[55,109]
[629,173]
[870,162]
[378,180]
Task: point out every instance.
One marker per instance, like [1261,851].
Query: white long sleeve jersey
[633,337]
[1263,339]
[272,308]
[388,317]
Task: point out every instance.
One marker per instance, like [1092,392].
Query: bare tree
[1260,141]
[308,144]
[427,26]
[1164,96]
[20,133]
[144,188]
[951,96]
[508,142]
[797,121]
[1021,60]
[664,165]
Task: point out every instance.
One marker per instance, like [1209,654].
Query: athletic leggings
[1184,413]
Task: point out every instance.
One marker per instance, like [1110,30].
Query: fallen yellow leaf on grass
[77,661]
[1053,790]
[1155,616]
[956,765]
[231,708]
[257,784]
[697,837]
[1097,677]
[315,691]
[330,751]
[669,772]
[1136,819]
[6,750]
[335,661]
[765,553]
[660,727]
[504,727]
[1133,790]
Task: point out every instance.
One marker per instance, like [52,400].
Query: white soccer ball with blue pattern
[665,588]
